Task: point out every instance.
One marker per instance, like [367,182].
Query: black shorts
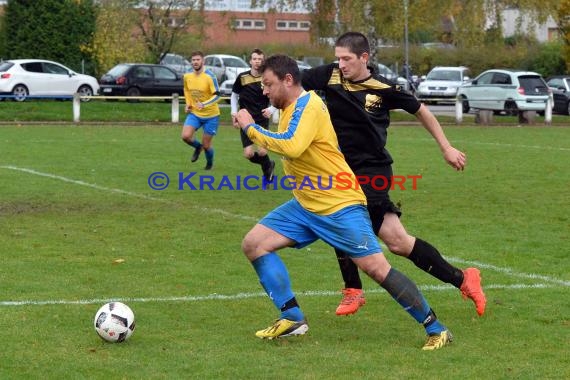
[245,141]
[377,194]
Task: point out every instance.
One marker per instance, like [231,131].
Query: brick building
[254,28]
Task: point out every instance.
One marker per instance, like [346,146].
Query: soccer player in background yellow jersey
[337,214]
[202,93]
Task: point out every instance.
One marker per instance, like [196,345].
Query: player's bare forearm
[452,156]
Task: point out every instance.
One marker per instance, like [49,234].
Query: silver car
[507,91]
[23,78]
[225,66]
[441,84]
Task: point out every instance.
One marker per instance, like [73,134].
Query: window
[485,78]
[163,73]
[34,67]
[292,25]
[500,78]
[143,72]
[249,24]
[176,22]
[54,69]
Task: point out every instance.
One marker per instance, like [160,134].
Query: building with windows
[514,24]
[236,23]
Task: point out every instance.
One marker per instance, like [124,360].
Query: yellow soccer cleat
[282,328]
[437,341]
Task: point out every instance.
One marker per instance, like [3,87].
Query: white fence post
[76,107]
[548,111]
[175,108]
[458,111]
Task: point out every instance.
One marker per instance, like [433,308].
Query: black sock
[427,258]
[290,304]
[349,270]
[256,158]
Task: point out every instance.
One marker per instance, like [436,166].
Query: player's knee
[248,153]
[249,246]
[400,245]
[377,269]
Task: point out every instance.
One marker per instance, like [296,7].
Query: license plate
[437,93]
[107,90]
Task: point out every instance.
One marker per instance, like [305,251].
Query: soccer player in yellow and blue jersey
[202,93]
[306,140]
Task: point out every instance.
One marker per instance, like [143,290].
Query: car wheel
[568,108]
[85,90]
[511,109]
[134,92]
[20,92]
[465,104]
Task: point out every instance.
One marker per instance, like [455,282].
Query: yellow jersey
[322,180]
[202,87]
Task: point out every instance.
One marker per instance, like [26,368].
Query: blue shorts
[348,229]
[210,124]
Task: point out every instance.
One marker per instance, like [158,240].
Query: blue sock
[407,294]
[274,278]
[209,155]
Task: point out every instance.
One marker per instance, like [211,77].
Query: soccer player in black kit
[247,93]
[359,101]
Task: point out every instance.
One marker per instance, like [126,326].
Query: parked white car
[441,84]
[177,63]
[23,78]
[225,66]
[510,91]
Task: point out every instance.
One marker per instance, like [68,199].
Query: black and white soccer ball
[114,322]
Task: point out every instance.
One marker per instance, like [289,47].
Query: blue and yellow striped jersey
[311,157]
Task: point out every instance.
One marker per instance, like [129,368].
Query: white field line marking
[507,271]
[510,272]
[124,192]
[239,296]
[522,146]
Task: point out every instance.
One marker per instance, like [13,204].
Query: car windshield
[118,70]
[4,66]
[451,75]
[234,62]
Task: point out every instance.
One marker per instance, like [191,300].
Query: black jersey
[360,112]
[251,95]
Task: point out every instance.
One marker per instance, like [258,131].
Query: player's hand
[455,158]
[199,105]
[266,112]
[188,108]
[234,120]
[243,118]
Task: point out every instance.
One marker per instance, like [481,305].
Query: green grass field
[75,199]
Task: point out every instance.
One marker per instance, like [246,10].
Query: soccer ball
[114,322]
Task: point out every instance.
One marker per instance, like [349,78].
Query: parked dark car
[560,86]
[141,79]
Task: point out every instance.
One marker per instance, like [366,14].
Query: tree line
[93,35]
